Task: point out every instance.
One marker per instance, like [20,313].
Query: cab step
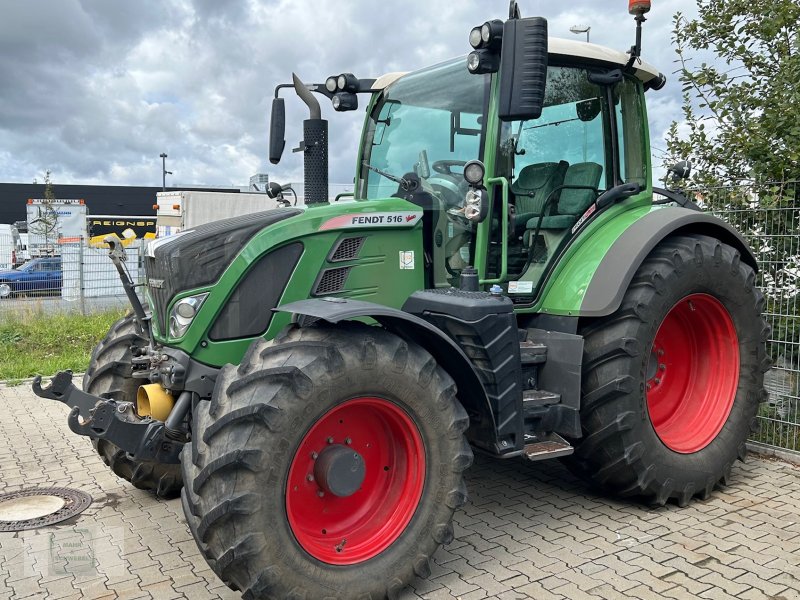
[531,353]
[550,445]
[537,398]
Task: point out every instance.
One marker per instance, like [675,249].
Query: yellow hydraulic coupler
[152,400]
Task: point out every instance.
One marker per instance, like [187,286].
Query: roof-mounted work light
[487,36]
[343,101]
[492,34]
[486,39]
[483,61]
[347,82]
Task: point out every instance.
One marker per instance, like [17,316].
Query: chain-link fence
[768,215]
[71,276]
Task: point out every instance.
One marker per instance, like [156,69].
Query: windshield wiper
[404,183]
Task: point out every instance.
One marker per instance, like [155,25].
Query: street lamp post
[579,29]
[164,172]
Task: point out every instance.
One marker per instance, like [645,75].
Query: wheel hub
[339,470]
[355,481]
[693,373]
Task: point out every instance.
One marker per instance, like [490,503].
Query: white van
[10,247]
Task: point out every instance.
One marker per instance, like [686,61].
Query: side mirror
[680,170]
[523,69]
[274,190]
[277,130]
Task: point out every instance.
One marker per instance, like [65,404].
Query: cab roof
[559,47]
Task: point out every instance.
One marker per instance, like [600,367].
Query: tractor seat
[572,203]
[533,185]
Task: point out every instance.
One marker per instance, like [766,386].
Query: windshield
[429,122]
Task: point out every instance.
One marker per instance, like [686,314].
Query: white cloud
[95,91]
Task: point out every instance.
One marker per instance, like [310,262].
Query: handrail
[504,228]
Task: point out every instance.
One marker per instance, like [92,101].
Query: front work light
[330,84]
[474,172]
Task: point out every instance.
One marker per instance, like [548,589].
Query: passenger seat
[572,203]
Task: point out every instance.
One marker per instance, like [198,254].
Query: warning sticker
[373,219]
[520,287]
[406,259]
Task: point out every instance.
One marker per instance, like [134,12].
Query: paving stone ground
[530,530]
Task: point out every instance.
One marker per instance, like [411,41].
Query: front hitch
[107,419]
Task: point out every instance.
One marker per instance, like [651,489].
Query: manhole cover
[30,509]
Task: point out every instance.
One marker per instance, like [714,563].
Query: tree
[741,112]
[45,225]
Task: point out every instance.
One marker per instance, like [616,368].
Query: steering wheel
[445,167]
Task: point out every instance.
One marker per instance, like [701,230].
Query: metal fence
[68,276]
[768,215]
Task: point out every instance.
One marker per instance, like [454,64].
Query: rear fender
[594,279]
[482,430]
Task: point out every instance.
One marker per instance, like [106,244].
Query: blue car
[39,275]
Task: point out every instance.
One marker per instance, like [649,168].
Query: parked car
[39,275]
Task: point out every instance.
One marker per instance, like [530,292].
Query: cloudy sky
[95,90]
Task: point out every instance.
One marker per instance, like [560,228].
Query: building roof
[100,199]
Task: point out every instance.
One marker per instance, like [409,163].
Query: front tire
[327,465]
[109,375]
[672,380]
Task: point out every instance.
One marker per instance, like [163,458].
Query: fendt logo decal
[376,219]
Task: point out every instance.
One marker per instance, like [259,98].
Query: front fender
[482,430]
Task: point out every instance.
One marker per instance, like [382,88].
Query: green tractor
[317,379]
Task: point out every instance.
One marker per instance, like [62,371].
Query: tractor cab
[543,174]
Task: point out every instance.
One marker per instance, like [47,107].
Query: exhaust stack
[314,147]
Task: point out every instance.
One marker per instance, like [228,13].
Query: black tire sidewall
[717,281]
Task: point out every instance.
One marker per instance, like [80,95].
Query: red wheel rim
[352,529]
[693,373]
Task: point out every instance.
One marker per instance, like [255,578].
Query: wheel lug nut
[662,367]
[656,381]
[648,387]
[320,493]
[309,477]
[661,353]
[348,441]
[314,456]
[330,440]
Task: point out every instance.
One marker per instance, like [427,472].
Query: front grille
[332,280]
[347,249]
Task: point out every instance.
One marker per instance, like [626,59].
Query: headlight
[475,209]
[183,312]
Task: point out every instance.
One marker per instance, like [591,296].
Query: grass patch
[39,343]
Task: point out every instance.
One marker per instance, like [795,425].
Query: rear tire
[109,375]
[672,380]
[259,520]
